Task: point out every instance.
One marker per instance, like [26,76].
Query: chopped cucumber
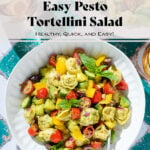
[63,92]
[83,85]
[90,74]
[53,91]
[39,110]
[43,71]
[43,80]
[99,108]
[26,102]
[124,102]
[49,105]
[37,101]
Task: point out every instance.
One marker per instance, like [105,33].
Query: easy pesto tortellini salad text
[74,102]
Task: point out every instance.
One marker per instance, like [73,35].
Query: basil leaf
[75,102]
[108,74]
[100,68]
[69,103]
[58,146]
[64,104]
[52,147]
[88,62]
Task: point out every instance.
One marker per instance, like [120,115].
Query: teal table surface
[21,48]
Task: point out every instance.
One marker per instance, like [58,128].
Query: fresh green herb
[100,68]
[98,71]
[58,146]
[88,62]
[69,103]
[108,74]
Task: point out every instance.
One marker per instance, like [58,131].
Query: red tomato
[70,143]
[56,136]
[71,95]
[108,89]
[54,113]
[96,145]
[52,60]
[88,131]
[85,102]
[75,113]
[42,93]
[122,85]
[32,130]
[96,87]
[77,51]
[27,87]
[97,97]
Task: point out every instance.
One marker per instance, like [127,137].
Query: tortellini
[69,81]
[46,134]
[44,122]
[117,74]
[89,116]
[29,114]
[108,113]
[64,115]
[72,66]
[54,78]
[122,115]
[101,133]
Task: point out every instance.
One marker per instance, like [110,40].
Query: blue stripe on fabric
[8,62]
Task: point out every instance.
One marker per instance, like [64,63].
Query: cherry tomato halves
[88,131]
[56,137]
[42,93]
[52,60]
[27,87]
[71,95]
[122,85]
[75,113]
[70,143]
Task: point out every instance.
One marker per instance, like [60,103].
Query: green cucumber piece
[26,102]
[90,74]
[99,108]
[37,101]
[39,110]
[43,80]
[53,91]
[83,85]
[124,102]
[49,105]
[63,92]
[43,71]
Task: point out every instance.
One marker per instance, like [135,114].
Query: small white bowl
[38,57]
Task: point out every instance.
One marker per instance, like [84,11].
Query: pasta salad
[74,102]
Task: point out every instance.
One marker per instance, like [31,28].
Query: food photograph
[74,75]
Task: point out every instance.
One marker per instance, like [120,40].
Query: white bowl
[38,57]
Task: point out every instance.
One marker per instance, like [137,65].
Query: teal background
[21,48]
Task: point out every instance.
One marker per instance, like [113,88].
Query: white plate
[38,57]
